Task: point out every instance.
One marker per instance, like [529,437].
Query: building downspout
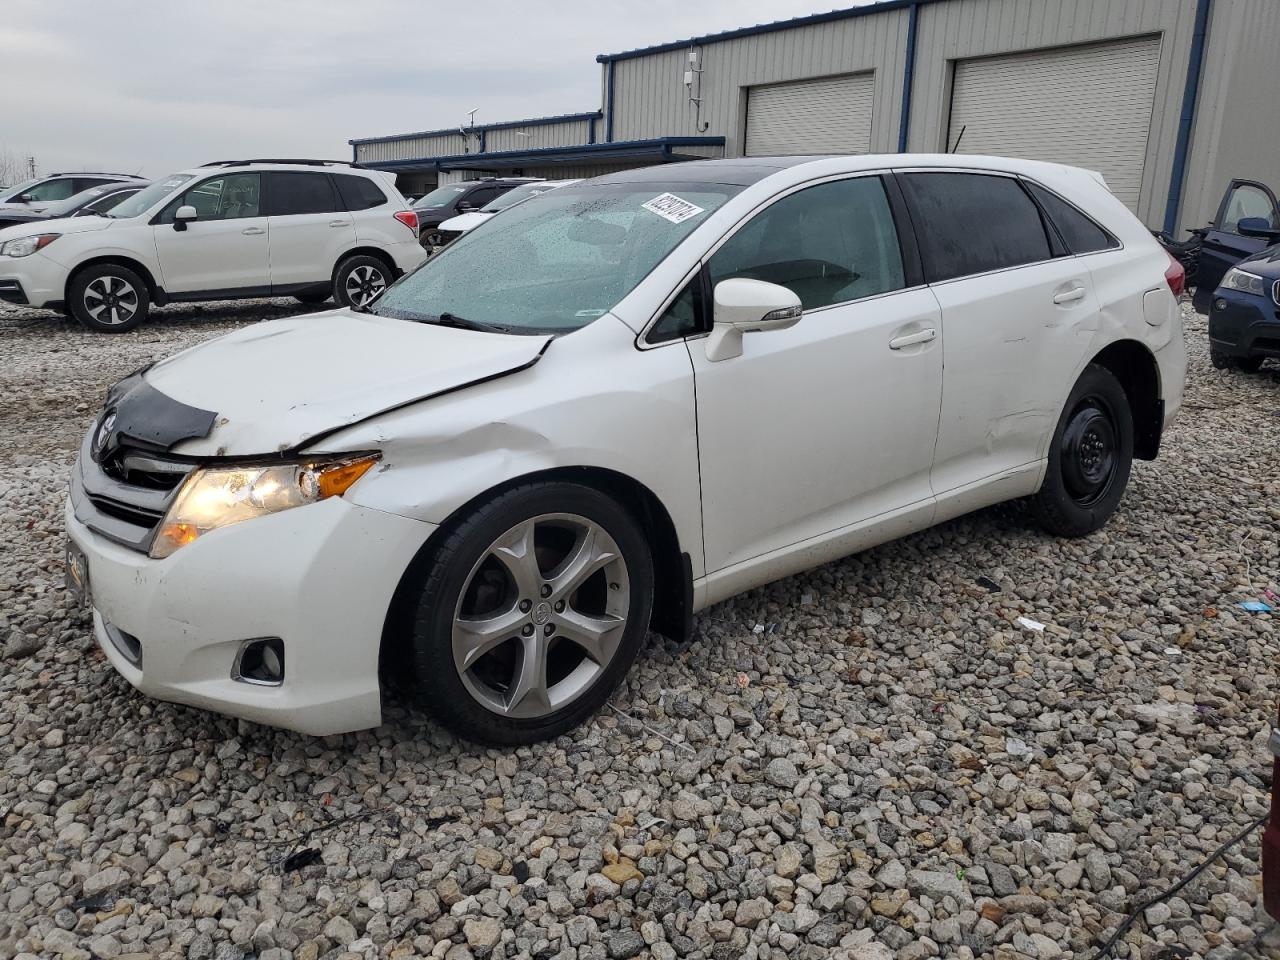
[908,75]
[1189,96]
[608,116]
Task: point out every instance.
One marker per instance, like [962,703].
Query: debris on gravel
[871,760]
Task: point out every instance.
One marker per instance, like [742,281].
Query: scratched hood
[275,386]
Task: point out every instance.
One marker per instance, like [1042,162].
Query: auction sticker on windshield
[670,207]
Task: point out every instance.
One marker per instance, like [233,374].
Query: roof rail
[290,160]
[92,173]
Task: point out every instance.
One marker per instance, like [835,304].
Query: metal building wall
[651,100]
[1238,113]
[536,136]
[960,29]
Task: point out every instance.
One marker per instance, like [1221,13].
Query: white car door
[225,248]
[1016,313]
[310,228]
[832,422]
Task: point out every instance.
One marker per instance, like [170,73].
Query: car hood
[1265,263]
[280,385]
[61,226]
[465,221]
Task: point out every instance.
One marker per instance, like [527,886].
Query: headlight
[218,496]
[25,246]
[1237,279]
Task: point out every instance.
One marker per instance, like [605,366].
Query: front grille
[126,497]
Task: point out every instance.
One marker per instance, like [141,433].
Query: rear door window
[827,244]
[969,223]
[291,194]
[359,193]
[1078,230]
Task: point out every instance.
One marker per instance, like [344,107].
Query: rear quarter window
[969,223]
[359,193]
[1077,228]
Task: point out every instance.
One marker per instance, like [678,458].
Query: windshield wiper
[447,319]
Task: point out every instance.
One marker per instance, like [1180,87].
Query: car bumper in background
[1244,324]
[319,577]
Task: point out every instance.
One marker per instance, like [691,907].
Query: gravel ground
[870,760]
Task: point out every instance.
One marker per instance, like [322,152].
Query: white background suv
[230,230]
[630,399]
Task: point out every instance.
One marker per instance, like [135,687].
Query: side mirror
[1259,227]
[23,198]
[184,215]
[465,207]
[745,306]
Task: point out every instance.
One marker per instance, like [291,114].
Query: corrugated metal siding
[651,99]
[1238,112]
[414,147]
[1086,105]
[537,136]
[830,115]
[964,29]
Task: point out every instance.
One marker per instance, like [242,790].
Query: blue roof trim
[1182,146]
[849,13]
[482,127]
[664,147]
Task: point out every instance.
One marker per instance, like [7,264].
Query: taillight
[409,219]
[1175,276]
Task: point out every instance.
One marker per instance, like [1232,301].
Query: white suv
[229,230]
[635,397]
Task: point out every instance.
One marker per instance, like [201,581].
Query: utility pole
[31,168]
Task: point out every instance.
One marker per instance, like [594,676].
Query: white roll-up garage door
[1088,106]
[828,115]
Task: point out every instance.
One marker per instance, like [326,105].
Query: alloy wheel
[541,615]
[1089,451]
[111,300]
[364,284]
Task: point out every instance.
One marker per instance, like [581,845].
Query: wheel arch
[154,290]
[673,575]
[366,251]
[1134,365]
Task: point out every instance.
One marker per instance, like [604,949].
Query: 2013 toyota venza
[607,409]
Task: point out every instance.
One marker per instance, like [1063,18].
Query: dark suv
[455,198]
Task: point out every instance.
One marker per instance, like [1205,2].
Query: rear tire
[509,646]
[108,298]
[359,280]
[1089,458]
[313,299]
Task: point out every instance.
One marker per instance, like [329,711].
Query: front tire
[108,299]
[359,280]
[532,612]
[1089,459]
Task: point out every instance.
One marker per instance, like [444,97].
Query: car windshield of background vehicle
[144,200]
[73,203]
[567,257]
[512,197]
[442,195]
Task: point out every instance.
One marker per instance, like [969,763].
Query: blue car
[1244,317]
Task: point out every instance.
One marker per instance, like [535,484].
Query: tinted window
[683,317]
[827,244]
[359,193]
[971,223]
[84,183]
[111,201]
[232,197]
[482,195]
[1081,234]
[290,194]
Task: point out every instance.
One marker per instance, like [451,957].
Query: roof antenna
[956,145]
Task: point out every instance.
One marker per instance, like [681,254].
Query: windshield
[74,202]
[557,262]
[144,200]
[8,193]
[442,195]
[518,195]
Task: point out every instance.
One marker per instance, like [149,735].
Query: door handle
[909,339]
[339,223]
[1069,296]
[253,231]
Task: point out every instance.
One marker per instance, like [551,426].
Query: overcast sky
[156,86]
